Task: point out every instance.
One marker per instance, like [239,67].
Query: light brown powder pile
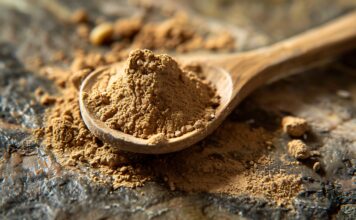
[152,96]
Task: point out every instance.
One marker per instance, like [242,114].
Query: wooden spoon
[236,76]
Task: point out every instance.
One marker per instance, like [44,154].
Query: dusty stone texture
[34,186]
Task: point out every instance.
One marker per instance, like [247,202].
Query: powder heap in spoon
[154,98]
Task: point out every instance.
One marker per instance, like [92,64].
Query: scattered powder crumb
[39,92]
[80,16]
[158,139]
[177,33]
[269,145]
[43,97]
[171,34]
[153,95]
[298,149]
[223,40]
[316,166]
[101,34]
[73,144]
[278,187]
[47,99]
[55,74]
[127,28]
[58,56]
[228,166]
[83,31]
[66,135]
[294,126]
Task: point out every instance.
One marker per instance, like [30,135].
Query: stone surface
[34,186]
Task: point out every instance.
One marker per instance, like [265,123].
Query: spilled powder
[153,96]
[235,160]
[72,143]
[177,33]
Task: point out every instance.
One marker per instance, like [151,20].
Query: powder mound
[153,95]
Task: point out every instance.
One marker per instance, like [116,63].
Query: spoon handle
[279,60]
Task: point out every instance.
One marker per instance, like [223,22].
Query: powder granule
[298,149]
[154,95]
[176,33]
[127,28]
[294,126]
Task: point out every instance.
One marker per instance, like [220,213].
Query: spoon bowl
[222,82]
[235,76]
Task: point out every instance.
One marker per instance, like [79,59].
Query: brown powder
[127,28]
[228,166]
[67,137]
[83,31]
[43,97]
[80,16]
[294,126]
[222,41]
[154,96]
[235,160]
[177,33]
[234,163]
[171,34]
[101,34]
[298,149]
[73,144]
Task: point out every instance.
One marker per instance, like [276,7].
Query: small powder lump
[154,97]
[294,126]
[298,149]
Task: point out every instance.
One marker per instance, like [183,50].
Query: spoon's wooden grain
[236,76]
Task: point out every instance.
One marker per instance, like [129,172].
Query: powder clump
[153,95]
[294,126]
[298,149]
